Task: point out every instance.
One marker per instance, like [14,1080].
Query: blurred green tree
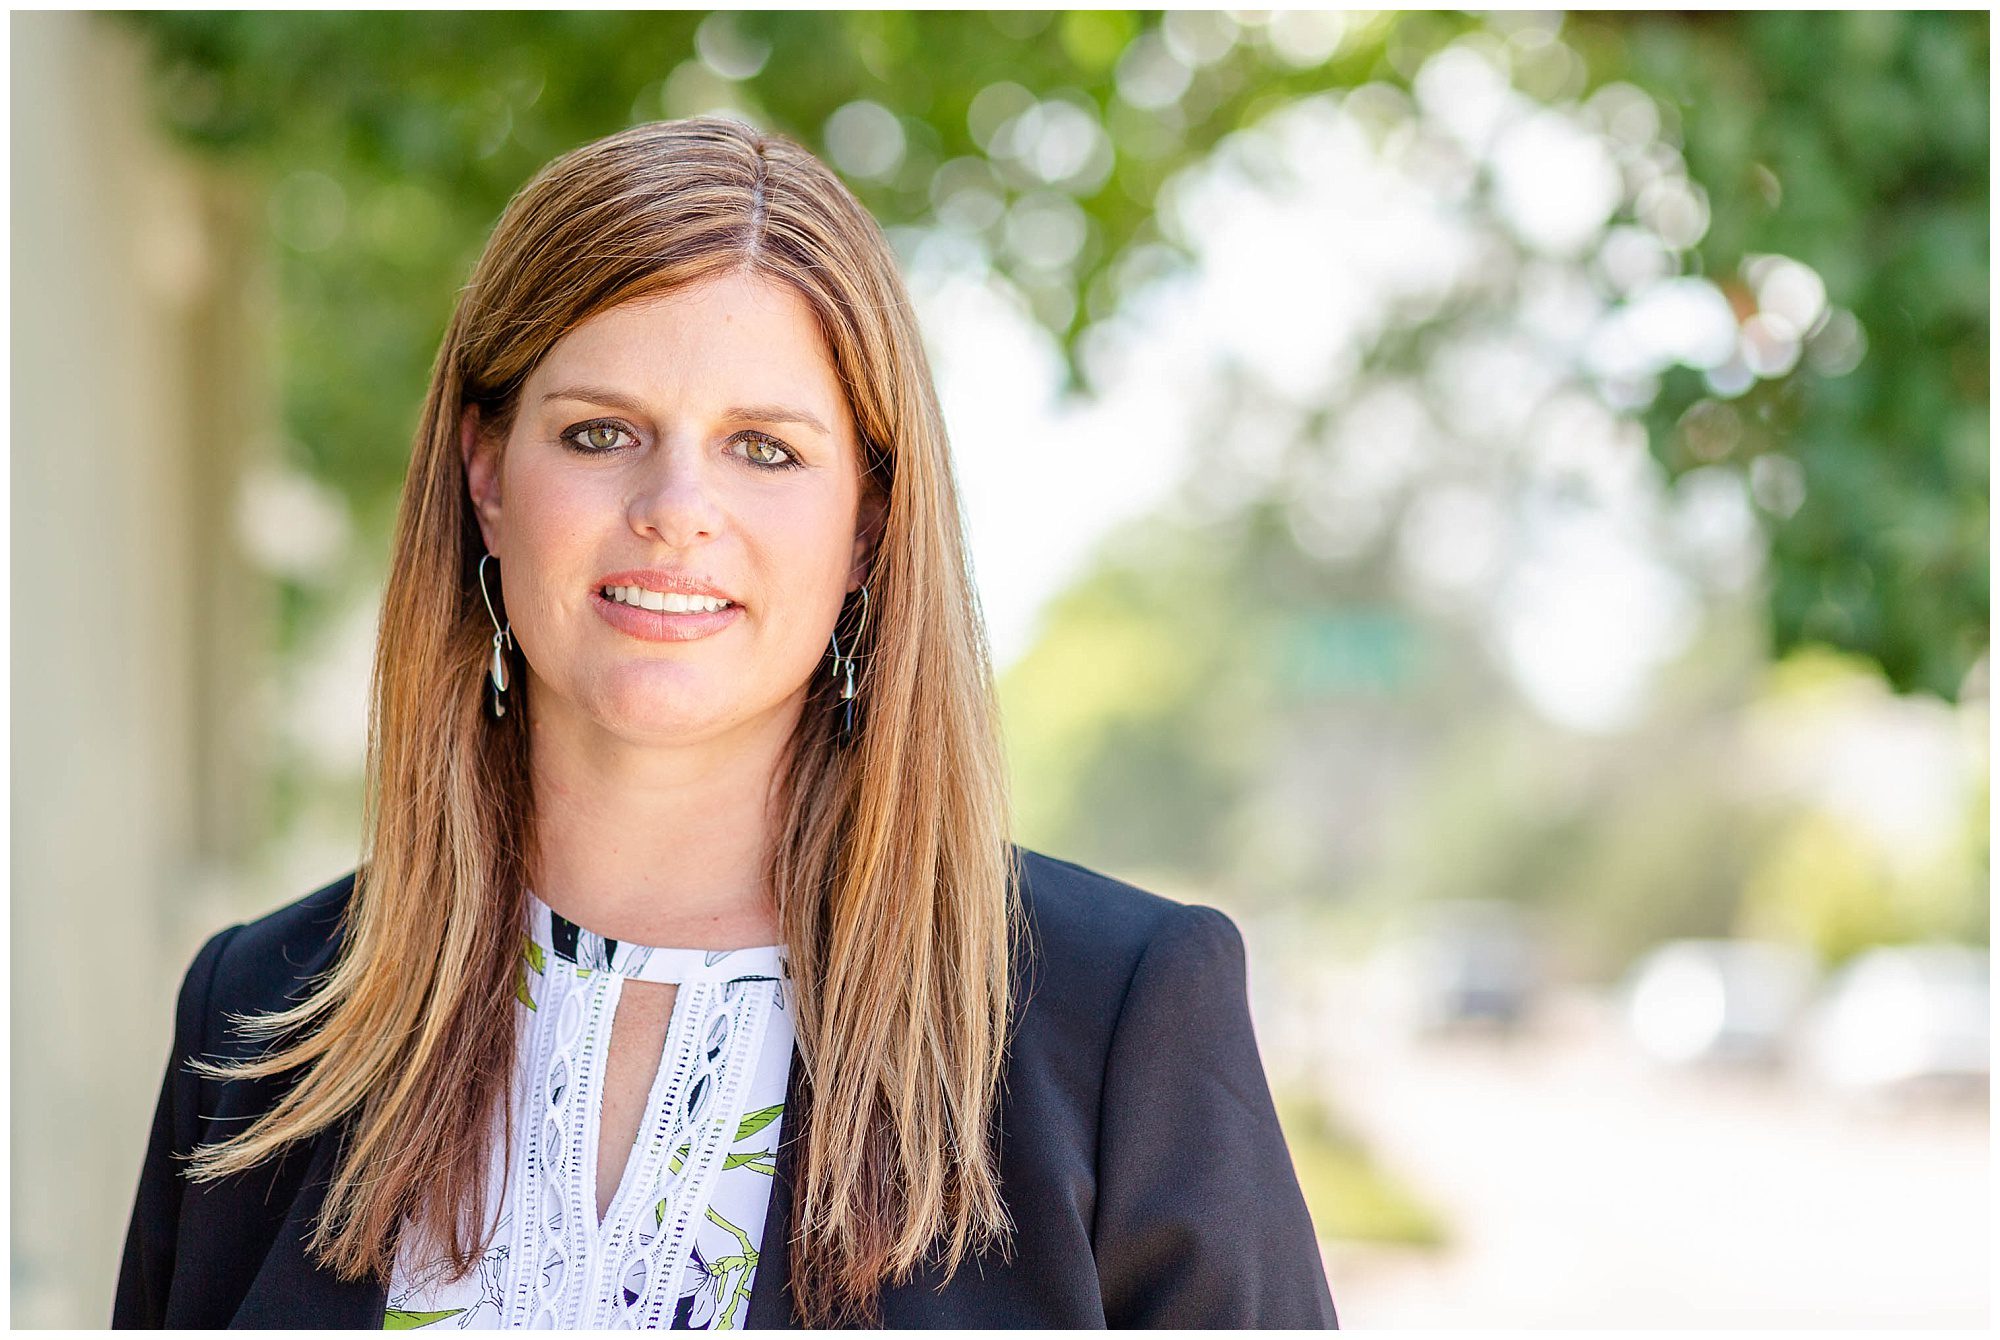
[1856,143]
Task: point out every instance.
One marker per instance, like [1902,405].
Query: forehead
[734,339]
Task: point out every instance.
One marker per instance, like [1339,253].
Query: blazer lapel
[292,1290]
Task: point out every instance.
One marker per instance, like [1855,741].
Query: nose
[674,500]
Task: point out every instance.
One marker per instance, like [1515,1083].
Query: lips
[663,625]
[666,581]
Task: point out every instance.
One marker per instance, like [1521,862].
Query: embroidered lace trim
[662,1255]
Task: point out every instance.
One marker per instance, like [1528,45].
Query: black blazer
[1140,1156]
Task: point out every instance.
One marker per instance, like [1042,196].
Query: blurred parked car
[1904,1018]
[1724,1001]
[1461,965]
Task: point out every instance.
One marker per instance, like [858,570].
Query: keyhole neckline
[564,942]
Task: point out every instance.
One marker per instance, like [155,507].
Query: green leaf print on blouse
[722,1265]
[397,1319]
[531,955]
[752,1123]
[757,1160]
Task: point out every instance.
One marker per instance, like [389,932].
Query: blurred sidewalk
[1584,1188]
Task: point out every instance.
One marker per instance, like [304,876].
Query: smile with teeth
[673,602]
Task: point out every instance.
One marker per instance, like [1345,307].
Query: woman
[689,977]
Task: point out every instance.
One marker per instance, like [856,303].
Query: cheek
[544,499]
[546,524]
[808,551]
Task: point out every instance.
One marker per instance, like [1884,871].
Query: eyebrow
[762,413]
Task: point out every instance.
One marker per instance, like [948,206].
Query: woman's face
[695,442]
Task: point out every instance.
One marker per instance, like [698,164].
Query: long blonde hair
[895,880]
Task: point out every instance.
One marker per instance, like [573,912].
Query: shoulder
[267,963]
[1091,938]
[1077,901]
[1073,906]
[252,968]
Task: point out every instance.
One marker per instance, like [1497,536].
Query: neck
[657,845]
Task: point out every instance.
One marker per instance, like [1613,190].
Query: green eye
[759,450]
[595,439]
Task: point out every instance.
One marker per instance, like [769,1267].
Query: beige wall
[137,631]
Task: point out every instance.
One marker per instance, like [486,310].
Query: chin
[679,704]
[648,710]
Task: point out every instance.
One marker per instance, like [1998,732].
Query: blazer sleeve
[146,1272]
[1200,1221]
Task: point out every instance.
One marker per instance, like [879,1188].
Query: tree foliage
[1857,143]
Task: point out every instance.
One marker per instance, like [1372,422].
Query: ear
[481,454]
[873,517]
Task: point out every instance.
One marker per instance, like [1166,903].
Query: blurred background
[1495,502]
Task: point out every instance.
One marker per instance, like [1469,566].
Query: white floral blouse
[678,1245]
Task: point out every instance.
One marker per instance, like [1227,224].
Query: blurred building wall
[137,630]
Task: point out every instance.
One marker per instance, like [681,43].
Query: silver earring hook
[834,641]
[503,639]
[488,598]
[849,691]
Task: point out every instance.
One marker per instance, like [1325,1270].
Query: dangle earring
[847,690]
[503,641]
